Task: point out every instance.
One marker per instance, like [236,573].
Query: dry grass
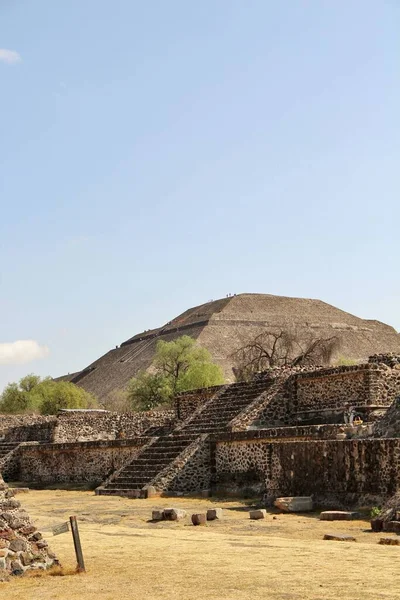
[235,559]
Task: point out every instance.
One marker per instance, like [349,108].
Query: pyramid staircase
[153,459]
[213,417]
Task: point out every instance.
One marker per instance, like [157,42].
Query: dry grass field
[127,556]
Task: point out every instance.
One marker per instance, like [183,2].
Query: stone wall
[334,472]
[72,427]
[81,462]
[26,428]
[84,426]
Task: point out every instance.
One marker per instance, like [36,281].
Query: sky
[156,155]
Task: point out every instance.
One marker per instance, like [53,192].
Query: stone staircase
[6,447]
[216,414]
[149,463]
[211,418]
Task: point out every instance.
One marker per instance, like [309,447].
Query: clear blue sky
[155,155]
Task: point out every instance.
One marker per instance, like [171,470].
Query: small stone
[42,544]
[392,526]
[173,514]
[27,530]
[337,515]
[150,492]
[295,504]
[389,541]
[199,519]
[18,545]
[16,568]
[25,558]
[36,536]
[214,514]
[10,504]
[255,515]
[339,537]
[7,534]
[157,515]
[4,543]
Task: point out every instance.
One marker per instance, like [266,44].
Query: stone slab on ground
[337,515]
[173,514]
[392,526]
[339,537]
[389,541]
[258,514]
[295,504]
[157,515]
[214,514]
[199,519]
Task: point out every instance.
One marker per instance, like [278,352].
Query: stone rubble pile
[22,546]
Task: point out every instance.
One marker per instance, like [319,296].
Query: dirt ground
[127,556]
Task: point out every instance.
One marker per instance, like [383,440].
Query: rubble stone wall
[333,471]
[83,426]
[81,462]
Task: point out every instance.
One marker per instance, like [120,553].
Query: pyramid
[22,546]
[222,326]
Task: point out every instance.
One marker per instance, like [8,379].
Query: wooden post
[77,544]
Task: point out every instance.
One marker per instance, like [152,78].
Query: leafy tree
[33,394]
[178,366]
[148,390]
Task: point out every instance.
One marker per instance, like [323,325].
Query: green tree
[46,396]
[178,366]
[148,390]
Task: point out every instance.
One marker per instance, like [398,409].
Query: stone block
[339,537]
[150,492]
[377,525]
[157,515]
[16,568]
[392,526]
[18,545]
[174,514]
[337,515]
[199,519]
[389,541]
[258,514]
[294,504]
[214,514]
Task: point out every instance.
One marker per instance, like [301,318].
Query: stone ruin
[22,546]
[289,432]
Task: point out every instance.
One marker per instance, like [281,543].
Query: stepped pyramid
[222,326]
[21,545]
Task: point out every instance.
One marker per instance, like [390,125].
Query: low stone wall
[72,427]
[27,428]
[84,426]
[335,472]
[84,462]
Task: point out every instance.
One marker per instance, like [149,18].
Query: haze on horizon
[157,156]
